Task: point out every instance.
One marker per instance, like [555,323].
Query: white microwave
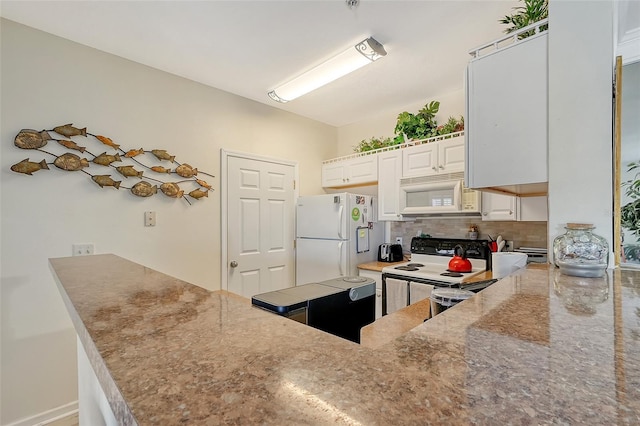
[437,194]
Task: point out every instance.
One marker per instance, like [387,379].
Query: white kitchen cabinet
[389,174]
[506,118]
[497,207]
[354,171]
[377,276]
[444,156]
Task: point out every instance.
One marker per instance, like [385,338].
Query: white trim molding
[49,416]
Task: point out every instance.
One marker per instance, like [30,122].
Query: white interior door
[260,225]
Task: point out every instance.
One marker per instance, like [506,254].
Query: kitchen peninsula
[535,347]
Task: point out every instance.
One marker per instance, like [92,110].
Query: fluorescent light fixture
[348,61]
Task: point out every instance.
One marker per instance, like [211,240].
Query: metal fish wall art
[162,154]
[144,189]
[71,145]
[198,193]
[171,189]
[107,141]
[28,167]
[128,171]
[67,161]
[134,153]
[105,159]
[70,162]
[68,130]
[160,169]
[105,180]
[31,139]
[186,171]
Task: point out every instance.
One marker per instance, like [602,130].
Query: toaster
[390,253]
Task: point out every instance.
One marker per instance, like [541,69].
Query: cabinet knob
[435,169]
[441,166]
[510,212]
[233,264]
[484,213]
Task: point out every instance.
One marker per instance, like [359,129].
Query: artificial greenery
[532,12]
[630,213]
[374,143]
[421,125]
[409,126]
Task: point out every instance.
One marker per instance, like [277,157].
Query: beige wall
[48,81]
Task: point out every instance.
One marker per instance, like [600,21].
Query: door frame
[224,216]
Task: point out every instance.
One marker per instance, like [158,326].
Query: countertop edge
[116,401]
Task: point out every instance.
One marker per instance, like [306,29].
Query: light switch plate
[149,218]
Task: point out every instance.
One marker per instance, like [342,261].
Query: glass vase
[580,252]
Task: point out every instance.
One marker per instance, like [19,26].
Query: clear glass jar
[580,252]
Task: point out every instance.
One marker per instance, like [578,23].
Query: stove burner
[406,268]
[451,274]
[414,265]
[458,272]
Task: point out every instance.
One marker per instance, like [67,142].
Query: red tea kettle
[459,262]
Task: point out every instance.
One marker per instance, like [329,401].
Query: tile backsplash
[523,234]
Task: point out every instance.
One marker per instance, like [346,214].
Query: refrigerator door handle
[340,268]
[340,215]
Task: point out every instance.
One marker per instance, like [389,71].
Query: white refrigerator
[335,233]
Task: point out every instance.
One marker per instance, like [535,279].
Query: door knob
[233,264]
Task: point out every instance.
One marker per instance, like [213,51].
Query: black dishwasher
[340,306]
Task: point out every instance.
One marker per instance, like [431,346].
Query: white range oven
[412,281]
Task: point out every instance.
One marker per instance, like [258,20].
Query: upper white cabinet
[511,208]
[444,156]
[389,174]
[354,171]
[506,117]
[498,206]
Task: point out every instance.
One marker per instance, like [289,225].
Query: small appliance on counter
[390,253]
[340,306]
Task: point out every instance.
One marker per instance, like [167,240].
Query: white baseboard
[48,416]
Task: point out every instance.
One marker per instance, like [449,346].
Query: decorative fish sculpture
[68,130]
[134,152]
[70,162]
[160,169]
[28,167]
[203,184]
[107,141]
[31,139]
[198,193]
[172,190]
[105,180]
[127,171]
[104,159]
[186,171]
[71,145]
[162,154]
[144,189]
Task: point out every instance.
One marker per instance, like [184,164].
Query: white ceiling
[249,47]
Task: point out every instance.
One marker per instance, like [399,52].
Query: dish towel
[396,294]
[419,291]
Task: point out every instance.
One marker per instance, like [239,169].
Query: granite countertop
[537,347]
